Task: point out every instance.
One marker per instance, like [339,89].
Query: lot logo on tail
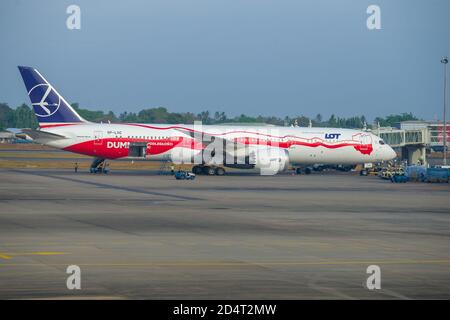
[44,100]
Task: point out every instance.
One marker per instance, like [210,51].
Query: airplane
[210,148]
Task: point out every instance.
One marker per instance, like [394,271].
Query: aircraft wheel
[209,170]
[197,170]
[220,171]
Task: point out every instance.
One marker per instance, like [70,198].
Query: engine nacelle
[270,160]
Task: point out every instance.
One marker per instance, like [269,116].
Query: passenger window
[381,142]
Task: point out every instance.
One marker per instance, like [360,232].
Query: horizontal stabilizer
[42,135]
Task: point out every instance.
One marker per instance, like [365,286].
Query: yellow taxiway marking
[40,253]
[9,255]
[240,264]
[4,256]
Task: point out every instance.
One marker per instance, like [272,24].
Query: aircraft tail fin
[50,108]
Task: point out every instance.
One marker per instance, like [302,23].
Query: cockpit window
[381,142]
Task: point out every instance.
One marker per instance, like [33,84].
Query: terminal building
[7,137]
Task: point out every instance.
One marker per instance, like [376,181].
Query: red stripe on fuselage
[114,148]
[362,148]
[53,125]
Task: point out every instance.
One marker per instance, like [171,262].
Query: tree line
[23,117]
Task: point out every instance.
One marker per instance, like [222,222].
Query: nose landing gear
[98,166]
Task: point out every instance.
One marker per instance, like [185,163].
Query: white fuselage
[303,145]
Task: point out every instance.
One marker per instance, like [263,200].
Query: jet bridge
[412,143]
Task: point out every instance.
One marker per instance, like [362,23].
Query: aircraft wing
[206,138]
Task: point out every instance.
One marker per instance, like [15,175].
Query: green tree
[392,119]
[95,116]
[6,116]
[24,117]
[204,117]
[219,117]
[332,122]
[318,118]
[128,117]
[154,115]
[303,121]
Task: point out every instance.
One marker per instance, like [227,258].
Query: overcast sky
[239,56]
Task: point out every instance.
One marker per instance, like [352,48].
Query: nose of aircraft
[389,153]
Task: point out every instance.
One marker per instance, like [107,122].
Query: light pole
[445,61]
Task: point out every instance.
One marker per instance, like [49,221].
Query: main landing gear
[306,170]
[208,170]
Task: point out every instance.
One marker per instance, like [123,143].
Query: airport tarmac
[142,235]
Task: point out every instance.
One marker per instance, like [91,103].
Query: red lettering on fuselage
[117,144]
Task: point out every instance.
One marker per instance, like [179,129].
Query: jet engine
[270,160]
